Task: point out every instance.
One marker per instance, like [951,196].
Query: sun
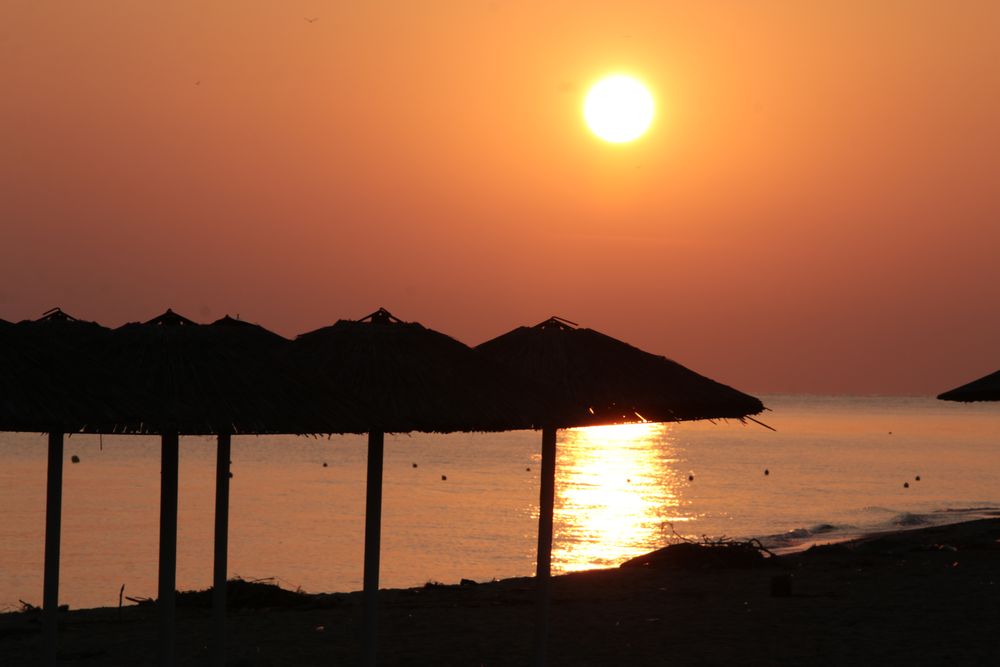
[618,109]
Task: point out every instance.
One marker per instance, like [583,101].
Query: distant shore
[928,596]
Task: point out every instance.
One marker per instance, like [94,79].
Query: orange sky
[816,207]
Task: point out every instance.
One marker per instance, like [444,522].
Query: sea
[466,505]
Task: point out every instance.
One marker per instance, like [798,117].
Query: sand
[917,597]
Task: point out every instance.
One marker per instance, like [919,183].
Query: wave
[798,536]
[823,533]
[821,528]
[910,519]
[987,509]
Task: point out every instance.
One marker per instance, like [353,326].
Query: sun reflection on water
[616,490]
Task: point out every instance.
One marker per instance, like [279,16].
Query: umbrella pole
[546,503]
[221,546]
[373,534]
[53,528]
[168,549]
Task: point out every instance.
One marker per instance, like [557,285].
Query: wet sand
[917,597]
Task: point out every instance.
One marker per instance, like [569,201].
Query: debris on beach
[705,556]
[139,600]
[258,594]
[435,584]
[706,553]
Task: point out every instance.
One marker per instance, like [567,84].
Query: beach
[928,596]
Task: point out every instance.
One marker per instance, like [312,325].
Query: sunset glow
[618,109]
[454,144]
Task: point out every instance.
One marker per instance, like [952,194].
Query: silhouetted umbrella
[984,389]
[404,377]
[219,379]
[50,382]
[169,376]
[49,376]
[31,399]
[595,379]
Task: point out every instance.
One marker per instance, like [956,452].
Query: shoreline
[918,596]
[796,544]
[826,534]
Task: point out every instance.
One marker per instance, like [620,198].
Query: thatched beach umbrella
[50,383]
[594,380]
[986,388]
[36,394]
[192,379]
[404,377]
[169,376]
[71,392]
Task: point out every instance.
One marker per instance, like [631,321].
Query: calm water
[837,468]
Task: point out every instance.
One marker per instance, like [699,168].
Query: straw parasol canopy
[984,389]
[30,398]
[594,379]
[597,379]
[406,377]
[207,379]
[51,380]
[223,379]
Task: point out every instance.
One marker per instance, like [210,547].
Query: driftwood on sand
[706,553]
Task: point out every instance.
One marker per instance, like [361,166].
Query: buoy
[766,471]
[527,469]
[324,464]
[906,485]
[917,478]
[444,478]
[690,478]
[74,458]
[414,465]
